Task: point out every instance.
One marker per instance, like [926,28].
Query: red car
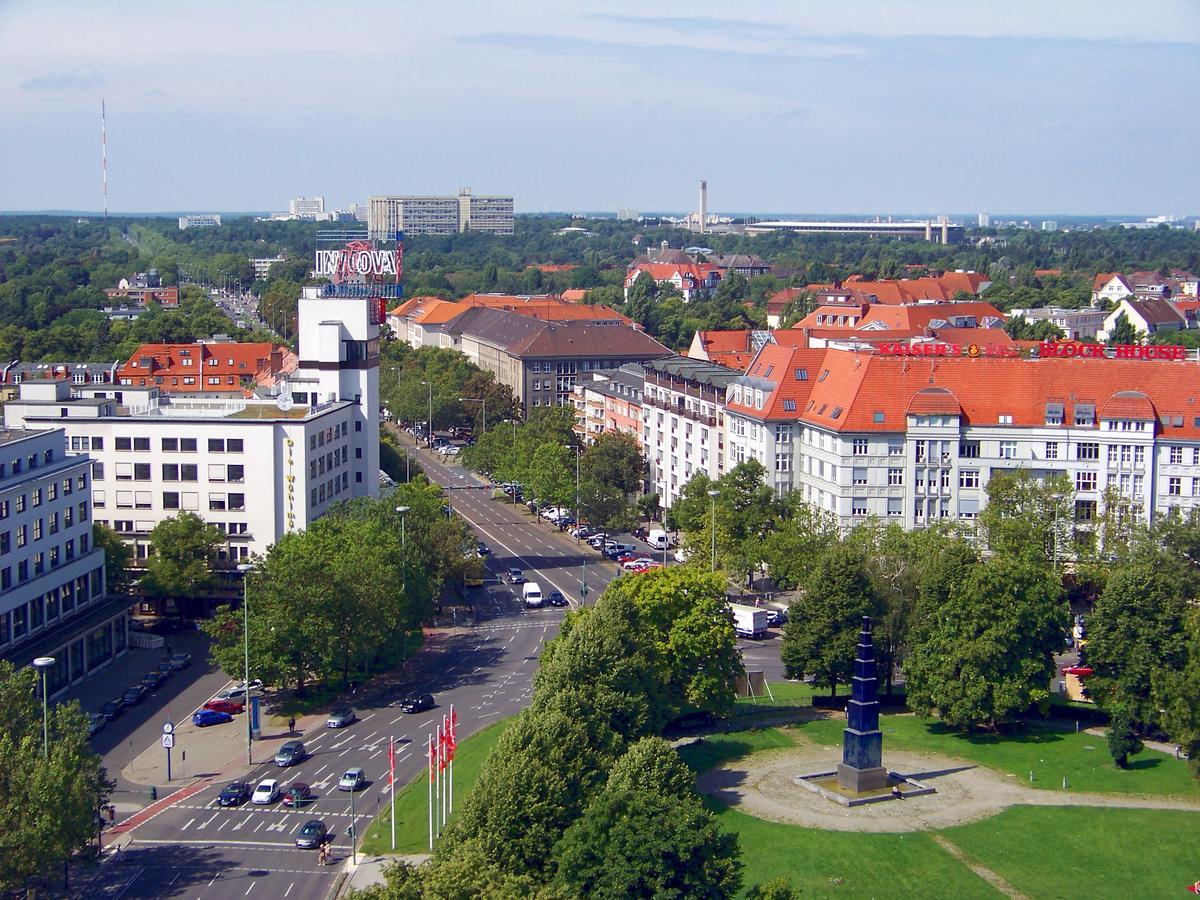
[628,557]
[225,706]
[1078,671]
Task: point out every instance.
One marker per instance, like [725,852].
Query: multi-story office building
[52,589]
[439,214]
[913,439]
[307,207]
[683,423]
[257,468]
[199,221]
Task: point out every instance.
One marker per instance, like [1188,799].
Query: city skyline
[866,108]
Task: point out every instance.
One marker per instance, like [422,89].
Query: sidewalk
[369,870]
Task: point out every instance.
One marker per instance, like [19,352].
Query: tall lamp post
[401,510]
[713,494]
[482,400]
[583,588]
[429,437]
[246,569]
[42,663]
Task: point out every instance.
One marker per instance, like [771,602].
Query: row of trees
[540,454]
[345,594]
[582,796]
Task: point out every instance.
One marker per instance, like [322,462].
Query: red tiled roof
[725,341]
[1128,405]
[907,316]
[1104,278]
[779,300]
[782,366]
[895,291]
[574,295]
[228,363]
[933,401]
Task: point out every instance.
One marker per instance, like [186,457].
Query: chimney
[703,205]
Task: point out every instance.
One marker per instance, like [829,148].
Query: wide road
[192,848]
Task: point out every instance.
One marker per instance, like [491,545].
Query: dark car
[202,718]
[165,669]
[483,549]
[516,576]
[113,708]
[290,754]
[153,679]
[134,694]
[556,598]
[180,661]
[297,794]
[312,835]
[417,703]
[234,794]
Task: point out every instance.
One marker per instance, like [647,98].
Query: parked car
[134,694]
[312,835]
[164,668]
[238,690]
[776,617]
[297,794]
[340,718]
[352,780]
[290,754]
[516,576]
[417,703]
[226,706]
[482,549]
[153,679]
[180,661]
[556,598]
[234,794]
[96,721]
[637,564]
[682,555]
[113,708]
[202,718]
[266,792]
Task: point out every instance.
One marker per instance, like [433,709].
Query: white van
[532,592]
[657,538]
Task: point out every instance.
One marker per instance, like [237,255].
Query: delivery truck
[748,621]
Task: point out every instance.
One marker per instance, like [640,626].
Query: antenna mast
[104,154]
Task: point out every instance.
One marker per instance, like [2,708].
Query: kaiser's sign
[357,261]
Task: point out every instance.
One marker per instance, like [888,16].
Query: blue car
[203,717]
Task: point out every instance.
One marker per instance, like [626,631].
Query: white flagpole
[445,725]
[454,744]
[392,785]
[430,780]
[437,783]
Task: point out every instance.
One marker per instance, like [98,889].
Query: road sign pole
[168,764]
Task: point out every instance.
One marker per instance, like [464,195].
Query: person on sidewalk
[292,725]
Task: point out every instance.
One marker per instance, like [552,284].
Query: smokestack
[703,205]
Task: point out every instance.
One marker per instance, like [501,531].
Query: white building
[683,423]
[262,266]
[255,468]
[307,207]
[52,588]
[199,221]
[1076,324]
[439,214]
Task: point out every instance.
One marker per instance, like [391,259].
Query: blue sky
[852,106]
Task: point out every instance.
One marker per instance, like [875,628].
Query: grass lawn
[412,810]
[1076,851]
[1047,752]
[720,748]
[868,865]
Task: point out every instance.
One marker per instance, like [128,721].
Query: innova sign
[357,261]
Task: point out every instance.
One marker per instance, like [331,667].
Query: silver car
[352,780]
[340,718]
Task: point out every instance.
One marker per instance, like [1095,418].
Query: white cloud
[81,79]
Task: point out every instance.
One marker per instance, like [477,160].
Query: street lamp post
[713,496]
[42,664]
[429,437]
[583,588]
[401,510]
[246,569]
[482,400]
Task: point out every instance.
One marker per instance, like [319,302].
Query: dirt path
[995,880]
[763,785]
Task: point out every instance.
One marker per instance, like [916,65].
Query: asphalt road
[192,848]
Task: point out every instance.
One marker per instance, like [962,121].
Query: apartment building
[416,214]
[683,423]
[609,403]
[255,467]
[52,588]
[207,368]
[913,439]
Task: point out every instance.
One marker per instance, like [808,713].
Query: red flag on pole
[443,747]
[432,760]
[391,762]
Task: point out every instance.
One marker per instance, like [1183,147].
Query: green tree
[821,634]
[791,549]
[616,460]
[1025,513]
[646,834]
[1123,332]
[1134,629]
[683,611]
[49,803]
[647,506]
[985,654]
[1177,693]
[551,475]
[779,888]
[1123,741]
[118,557]
[183,549]
[600,505]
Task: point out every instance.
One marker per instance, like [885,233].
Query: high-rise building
[306,207]
[199,221]
[985,220]
[439,214]
[1049,225]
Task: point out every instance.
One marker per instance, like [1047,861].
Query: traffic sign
[168,727]
[168,741]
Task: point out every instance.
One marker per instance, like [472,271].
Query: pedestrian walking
[292,725]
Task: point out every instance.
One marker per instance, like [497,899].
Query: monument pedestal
[860,780]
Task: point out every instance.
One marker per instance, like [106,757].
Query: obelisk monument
[861,767]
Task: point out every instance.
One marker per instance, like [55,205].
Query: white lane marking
[224,822]
[249,889]
[367,739]
[243,822]
[430,722]
[206,824]
[188,825]
[319,771]
[364,718]
[259,825]
[289,890]
[373,755]
[485,715]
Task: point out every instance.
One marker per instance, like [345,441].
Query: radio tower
[104,154]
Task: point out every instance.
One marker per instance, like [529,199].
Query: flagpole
[437,783]
[430,755]
[444,776]
[392,785]
[453,753]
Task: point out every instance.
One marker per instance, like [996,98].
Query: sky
[1082,107]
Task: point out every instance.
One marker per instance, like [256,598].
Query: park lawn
[1077,851]
[715,749]
[868,865]
[412,810]
[782,693]
[1048,752]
